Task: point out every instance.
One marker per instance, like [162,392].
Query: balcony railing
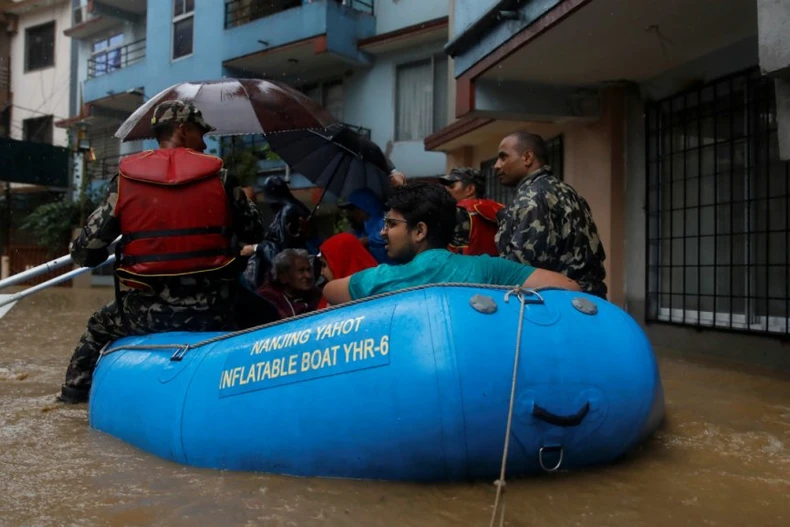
[238,12]
[115,59]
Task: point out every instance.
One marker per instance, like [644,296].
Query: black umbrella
[335,158]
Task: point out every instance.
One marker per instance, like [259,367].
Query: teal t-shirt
[437,266]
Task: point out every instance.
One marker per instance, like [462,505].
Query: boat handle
[560,420]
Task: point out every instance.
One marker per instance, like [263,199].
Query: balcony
[100,16]
[115,59]
[295,42]
[238,12]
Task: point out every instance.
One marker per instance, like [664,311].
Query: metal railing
[115,59]
[239,12]
[718,209]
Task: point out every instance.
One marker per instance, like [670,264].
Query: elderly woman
[292,288]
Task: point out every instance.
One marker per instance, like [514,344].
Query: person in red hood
[476,223]
[343,255]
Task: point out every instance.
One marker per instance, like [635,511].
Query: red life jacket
[174,213]
[483,226]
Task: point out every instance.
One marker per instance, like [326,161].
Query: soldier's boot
[73,395]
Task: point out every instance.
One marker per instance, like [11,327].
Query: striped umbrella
[235,107]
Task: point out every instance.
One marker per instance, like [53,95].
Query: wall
[46,90]
[370,102]
[765,351]
[392,15]
[469,11]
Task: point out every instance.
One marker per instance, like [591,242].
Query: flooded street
[722,458]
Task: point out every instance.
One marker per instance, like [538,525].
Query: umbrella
[336,159]
[234,107]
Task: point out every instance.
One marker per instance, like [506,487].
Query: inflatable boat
[414,385]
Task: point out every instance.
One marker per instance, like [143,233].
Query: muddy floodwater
[721,458]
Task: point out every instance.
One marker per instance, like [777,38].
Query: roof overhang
[407,37]
[25,7]
[299,62]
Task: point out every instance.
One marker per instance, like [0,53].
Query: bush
[52,224]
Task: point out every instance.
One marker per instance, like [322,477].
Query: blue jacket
[368,201]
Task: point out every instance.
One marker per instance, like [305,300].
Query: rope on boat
[184,348]
[500,483]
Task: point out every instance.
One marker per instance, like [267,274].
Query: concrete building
[38,68]
[376,64]
[666,124]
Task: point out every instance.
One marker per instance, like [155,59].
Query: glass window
[40,46]
[421,98]
[717,205]
[183,27]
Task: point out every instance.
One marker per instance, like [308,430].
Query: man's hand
[397,179]
[248,250]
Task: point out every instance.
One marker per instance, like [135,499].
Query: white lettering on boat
[318,360]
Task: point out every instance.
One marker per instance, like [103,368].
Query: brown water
[722,458]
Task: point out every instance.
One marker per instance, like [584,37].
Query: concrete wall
[765,351]
[370,102]
[392,15]
[469,11]
[47,90]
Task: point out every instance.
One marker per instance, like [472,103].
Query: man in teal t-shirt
[417,229]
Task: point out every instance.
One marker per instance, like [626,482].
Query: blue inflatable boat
[414,385]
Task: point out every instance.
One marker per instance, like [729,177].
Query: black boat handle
[560,420]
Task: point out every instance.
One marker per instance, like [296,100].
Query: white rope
[500,483]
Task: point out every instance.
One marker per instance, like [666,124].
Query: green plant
[53,223]
[242,161]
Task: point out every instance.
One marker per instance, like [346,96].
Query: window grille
[718,226]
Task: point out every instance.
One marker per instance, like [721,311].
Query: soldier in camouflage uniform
[199,301]
[548,225]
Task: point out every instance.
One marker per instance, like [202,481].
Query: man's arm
[336,291]
[534,235]
[90,248]
[543,278]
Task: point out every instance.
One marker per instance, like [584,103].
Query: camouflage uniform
[463,228]
[199,302]
[550,226]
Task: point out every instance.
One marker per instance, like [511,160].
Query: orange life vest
[174,214]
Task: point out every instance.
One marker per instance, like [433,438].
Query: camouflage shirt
[90,248]
[550,226]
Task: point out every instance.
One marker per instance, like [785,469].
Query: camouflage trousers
[141,313]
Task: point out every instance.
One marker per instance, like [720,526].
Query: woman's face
[325,271]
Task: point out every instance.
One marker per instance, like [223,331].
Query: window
[718,226]
[40,47]
[555,153]
[420,98]
[38,129]
[183,27]
[106,54]
[329,95]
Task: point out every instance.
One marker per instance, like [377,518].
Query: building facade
[669,129]
[375,64]
[38,69]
